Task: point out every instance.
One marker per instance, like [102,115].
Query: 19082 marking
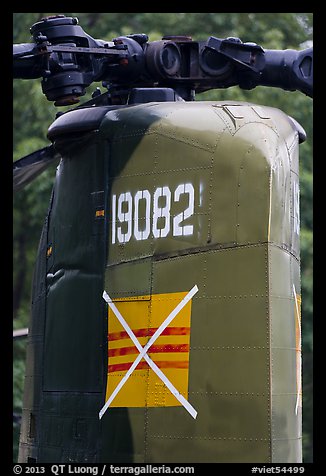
[127,222]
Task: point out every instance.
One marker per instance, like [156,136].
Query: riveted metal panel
[238,162]
[160,199]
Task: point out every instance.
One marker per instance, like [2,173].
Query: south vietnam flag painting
[170,351]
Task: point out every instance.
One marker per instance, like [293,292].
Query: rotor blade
[25,170]
[19,333]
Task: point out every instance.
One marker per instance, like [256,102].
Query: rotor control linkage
[68,60]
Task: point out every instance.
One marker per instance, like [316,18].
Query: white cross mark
[143,352]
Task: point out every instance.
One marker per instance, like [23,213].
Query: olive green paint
[243,254]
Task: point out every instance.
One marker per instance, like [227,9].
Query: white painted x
[143,352]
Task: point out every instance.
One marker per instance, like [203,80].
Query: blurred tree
[32,114]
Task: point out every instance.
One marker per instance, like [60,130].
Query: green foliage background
[32,114]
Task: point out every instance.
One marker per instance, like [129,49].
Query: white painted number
[139,215]
[124,216]
[161,211]
[178,230]
[114,201]
[144,233]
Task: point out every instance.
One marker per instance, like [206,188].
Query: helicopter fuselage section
[150,202]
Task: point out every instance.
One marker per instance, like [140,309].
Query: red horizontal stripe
[165,364]
[147,332]
[153,349]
